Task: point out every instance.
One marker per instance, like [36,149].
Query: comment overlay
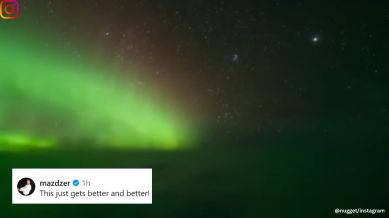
[82,186]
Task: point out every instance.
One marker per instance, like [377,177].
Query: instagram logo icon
[9,9]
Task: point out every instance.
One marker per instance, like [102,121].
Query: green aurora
[50,98]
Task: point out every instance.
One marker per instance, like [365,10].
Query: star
[234,57]
[315,39]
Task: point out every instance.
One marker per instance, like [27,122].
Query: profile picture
[26,186]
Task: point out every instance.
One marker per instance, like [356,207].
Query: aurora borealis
[49,98]
[146,73]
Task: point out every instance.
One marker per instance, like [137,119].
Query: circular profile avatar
[26,186]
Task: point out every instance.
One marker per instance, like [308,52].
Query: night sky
[263,108]
[185,72]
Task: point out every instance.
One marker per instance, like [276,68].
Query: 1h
[85,183]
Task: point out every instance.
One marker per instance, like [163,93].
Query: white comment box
[81,186]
